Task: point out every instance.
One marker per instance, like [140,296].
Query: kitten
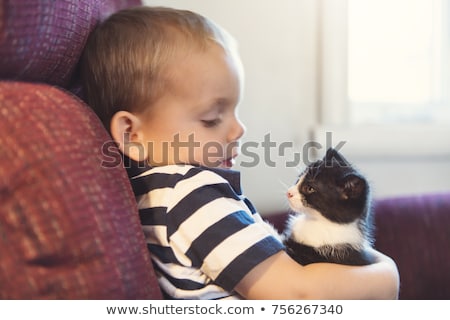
[332,221]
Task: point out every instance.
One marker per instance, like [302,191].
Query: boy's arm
[280,277]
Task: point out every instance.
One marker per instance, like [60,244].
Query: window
[398,61]
[384,76]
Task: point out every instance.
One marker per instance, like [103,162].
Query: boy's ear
[126,130]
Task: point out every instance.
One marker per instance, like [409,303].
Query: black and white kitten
[332,221]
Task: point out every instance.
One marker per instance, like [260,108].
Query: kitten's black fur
[330,188]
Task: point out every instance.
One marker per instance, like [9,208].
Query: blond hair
[125,59]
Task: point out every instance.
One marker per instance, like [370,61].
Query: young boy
[166,83]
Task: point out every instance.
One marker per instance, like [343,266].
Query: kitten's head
[332,188]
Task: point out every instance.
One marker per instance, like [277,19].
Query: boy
[166,84]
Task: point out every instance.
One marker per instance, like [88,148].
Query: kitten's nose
[289,194]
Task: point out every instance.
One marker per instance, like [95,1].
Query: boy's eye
[211,123]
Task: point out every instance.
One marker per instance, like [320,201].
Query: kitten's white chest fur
[309,227]
[317,232]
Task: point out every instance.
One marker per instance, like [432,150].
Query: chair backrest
[42,41]
[69,225]
[415,232]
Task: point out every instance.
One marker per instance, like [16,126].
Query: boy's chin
[219,163]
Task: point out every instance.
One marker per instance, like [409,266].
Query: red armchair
[69,227]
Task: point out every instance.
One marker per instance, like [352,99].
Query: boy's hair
[125,59]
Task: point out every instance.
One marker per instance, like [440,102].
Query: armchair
[69,225]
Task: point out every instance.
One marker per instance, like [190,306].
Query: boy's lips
[228,163]
[234,152]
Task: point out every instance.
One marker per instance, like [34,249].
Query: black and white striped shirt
[203,234]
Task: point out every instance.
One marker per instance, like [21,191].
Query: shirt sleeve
[211,228]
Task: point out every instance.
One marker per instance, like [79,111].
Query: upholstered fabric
[69,227]
[415,232]
[41,40]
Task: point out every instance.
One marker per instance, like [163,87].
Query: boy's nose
[237,131]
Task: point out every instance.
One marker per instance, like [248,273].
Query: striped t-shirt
[203,234]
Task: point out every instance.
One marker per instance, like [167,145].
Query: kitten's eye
[211,123]
[308,189]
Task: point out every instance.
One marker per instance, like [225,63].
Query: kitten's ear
[333,155]
[352,186]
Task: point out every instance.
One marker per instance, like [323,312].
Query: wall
[278,46]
